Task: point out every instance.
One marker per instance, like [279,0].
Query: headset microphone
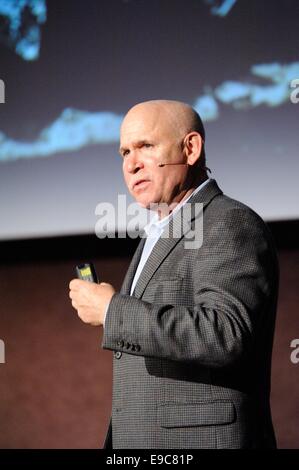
[164,164]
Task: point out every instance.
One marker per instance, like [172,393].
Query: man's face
[147,139]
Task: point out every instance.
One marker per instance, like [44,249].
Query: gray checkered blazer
[192,346]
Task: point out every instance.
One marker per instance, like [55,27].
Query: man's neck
[165,211]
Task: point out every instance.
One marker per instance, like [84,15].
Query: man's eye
[125,153]
[147,145]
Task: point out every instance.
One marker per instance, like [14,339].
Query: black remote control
[87,272]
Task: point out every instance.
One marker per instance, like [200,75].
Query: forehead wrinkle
[135,137]
[135,143]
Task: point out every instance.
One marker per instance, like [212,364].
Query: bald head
[180,117]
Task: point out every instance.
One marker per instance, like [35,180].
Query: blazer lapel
[178,226]
[126,285]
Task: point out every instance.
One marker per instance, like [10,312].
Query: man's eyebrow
[135,144]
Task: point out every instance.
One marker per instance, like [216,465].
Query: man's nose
[134,163]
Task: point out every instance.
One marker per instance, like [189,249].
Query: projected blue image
[220,7]
[75,129]
[72,130]
[24,17]
[22,20]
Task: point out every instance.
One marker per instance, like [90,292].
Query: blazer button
[120,344]
[117,354]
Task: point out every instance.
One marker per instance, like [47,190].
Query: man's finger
[75,284]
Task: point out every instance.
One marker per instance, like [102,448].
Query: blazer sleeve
[235,287]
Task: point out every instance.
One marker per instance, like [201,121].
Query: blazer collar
[178,226]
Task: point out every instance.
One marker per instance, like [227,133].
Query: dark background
[56,385]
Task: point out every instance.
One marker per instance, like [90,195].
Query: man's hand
[90,300]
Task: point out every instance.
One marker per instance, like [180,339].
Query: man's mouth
[140,184]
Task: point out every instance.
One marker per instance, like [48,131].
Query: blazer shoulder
[222,206]
[242,216]
[226,206]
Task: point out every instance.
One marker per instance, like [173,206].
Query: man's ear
[193,144]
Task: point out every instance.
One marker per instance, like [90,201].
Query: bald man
[192,327]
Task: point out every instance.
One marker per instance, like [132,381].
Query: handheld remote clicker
[87,272]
